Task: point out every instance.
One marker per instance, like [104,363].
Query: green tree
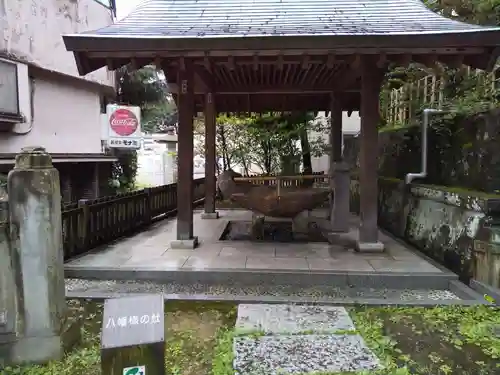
[146,89]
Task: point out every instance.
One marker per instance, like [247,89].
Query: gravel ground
[270,318]
[295,340]
[301,354]
[319,292]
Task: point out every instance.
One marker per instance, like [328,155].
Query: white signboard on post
[124,126]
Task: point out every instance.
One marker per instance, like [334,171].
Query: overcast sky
[124,7]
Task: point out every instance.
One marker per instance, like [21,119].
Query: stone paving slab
[301,354]
[297,339]
[288,319]
[151,250]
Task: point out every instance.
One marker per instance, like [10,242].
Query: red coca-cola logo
[123,122]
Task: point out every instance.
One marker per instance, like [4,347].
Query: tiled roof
[233,18]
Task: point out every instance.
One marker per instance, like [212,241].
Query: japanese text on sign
[124,142]
[124,321]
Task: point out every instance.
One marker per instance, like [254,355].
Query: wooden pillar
[185,154]
[210,179]
[339,172]
[371,77]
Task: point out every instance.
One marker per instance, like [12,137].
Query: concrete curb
[289,300]
[489,290]
[371,279]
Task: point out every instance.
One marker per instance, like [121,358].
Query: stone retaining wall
[461,230]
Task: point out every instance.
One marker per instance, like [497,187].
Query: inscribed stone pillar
[371,79]
[9,292]
[339,172]
[210,179]
[185,155]
[35,214]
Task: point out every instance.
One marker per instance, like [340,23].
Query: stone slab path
[298,339]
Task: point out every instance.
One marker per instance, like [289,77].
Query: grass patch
[197,336]
[440,340]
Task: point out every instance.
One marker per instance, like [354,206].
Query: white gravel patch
[286,318]
[301,354]
[235,289]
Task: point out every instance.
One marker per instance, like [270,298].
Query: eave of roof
[200,26]
[257,18]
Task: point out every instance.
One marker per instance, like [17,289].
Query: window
[9,92]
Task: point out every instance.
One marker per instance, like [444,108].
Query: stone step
[293,339]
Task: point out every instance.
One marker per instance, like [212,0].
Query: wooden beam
[330,62]
[157,62]
[276,89]
[313,53]
[280,62]
[255,62]
[453,61]
[305,62]
[185,106]
[210,155]
[382,61]
[368,180]
[230,63]
[429,61]
[403,60]
[133,63]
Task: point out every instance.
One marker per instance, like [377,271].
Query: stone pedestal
[35,214]
[340,206]
[210,215]
[189,244]
[258,226]
[300,223]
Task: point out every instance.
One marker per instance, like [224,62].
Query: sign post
[124,126]
[133,336]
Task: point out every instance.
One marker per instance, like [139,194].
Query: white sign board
[124,126]
[136,370]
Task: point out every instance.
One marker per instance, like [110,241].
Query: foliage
[438,340]
[271,142]
[124,171]
[459,139]
[483,12]
[147,89]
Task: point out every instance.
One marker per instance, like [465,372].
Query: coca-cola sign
[123,122]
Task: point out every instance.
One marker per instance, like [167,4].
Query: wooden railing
[93,222]
[286,181]
[402,103]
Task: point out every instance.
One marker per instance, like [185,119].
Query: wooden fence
[402,103]
[93,222]
[292,181]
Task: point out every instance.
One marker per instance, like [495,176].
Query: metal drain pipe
[425,125]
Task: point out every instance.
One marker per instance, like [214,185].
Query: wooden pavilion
[282,55]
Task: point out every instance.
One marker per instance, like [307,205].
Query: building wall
[32,31]
[65,119]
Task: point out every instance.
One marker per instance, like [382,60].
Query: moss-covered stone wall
[459,229]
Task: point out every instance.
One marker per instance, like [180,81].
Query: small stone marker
[133,336]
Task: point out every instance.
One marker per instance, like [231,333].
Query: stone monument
[36,271]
